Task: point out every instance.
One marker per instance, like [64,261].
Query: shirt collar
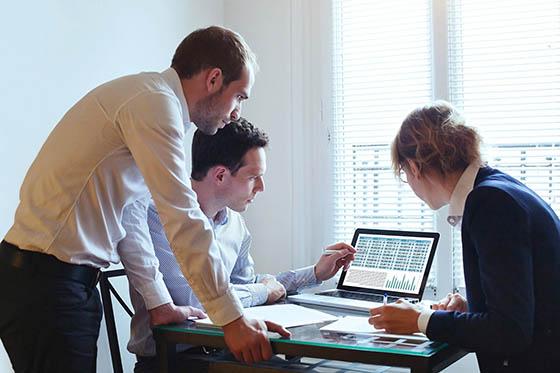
[221,217]
[172,78]
[459,196]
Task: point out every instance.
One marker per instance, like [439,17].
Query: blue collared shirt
[234,239]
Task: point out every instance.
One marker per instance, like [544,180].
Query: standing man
[88,188]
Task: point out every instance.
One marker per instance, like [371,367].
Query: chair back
[107,290]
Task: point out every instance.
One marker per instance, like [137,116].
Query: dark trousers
[48,323]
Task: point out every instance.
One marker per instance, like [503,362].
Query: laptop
[388,263]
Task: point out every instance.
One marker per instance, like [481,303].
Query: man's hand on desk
[170,313]
[276,290]
[400,317]
[335,257]
[247,339]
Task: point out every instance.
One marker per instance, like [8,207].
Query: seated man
[227,173]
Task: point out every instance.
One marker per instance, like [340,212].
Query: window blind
[381,70]
[503,69]
[504,74]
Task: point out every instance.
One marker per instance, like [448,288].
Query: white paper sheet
[287,315]
[360,325]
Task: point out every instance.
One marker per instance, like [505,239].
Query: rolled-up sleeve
[251,294]
[152,127]
[298,278]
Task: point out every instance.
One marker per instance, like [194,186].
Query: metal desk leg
[167,354]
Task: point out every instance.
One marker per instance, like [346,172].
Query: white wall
[269,108]
[54,51]
[286,221]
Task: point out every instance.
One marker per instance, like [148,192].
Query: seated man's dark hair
[226,148]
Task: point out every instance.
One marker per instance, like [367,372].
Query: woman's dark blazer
[511,259]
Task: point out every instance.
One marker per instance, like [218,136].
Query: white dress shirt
[235,242]
[457,201]
[120,143]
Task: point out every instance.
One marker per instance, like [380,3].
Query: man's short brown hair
[211,47]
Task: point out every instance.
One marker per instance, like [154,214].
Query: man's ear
[219,174]
[214,80]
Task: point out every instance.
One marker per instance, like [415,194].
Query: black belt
[48,265]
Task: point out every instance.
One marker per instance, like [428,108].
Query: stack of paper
[287,315]
[360,325]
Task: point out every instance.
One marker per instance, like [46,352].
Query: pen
[330,252]
[385,299]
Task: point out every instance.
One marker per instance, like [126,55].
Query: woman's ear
[413,167]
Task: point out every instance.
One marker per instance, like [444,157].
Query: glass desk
[309,341]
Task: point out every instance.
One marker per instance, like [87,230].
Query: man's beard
[206,114]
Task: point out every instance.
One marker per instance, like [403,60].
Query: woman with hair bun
[511,249]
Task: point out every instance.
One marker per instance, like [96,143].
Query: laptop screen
[395,262]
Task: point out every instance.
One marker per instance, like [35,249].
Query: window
[498,62]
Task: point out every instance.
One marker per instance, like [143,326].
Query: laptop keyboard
[357,296]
